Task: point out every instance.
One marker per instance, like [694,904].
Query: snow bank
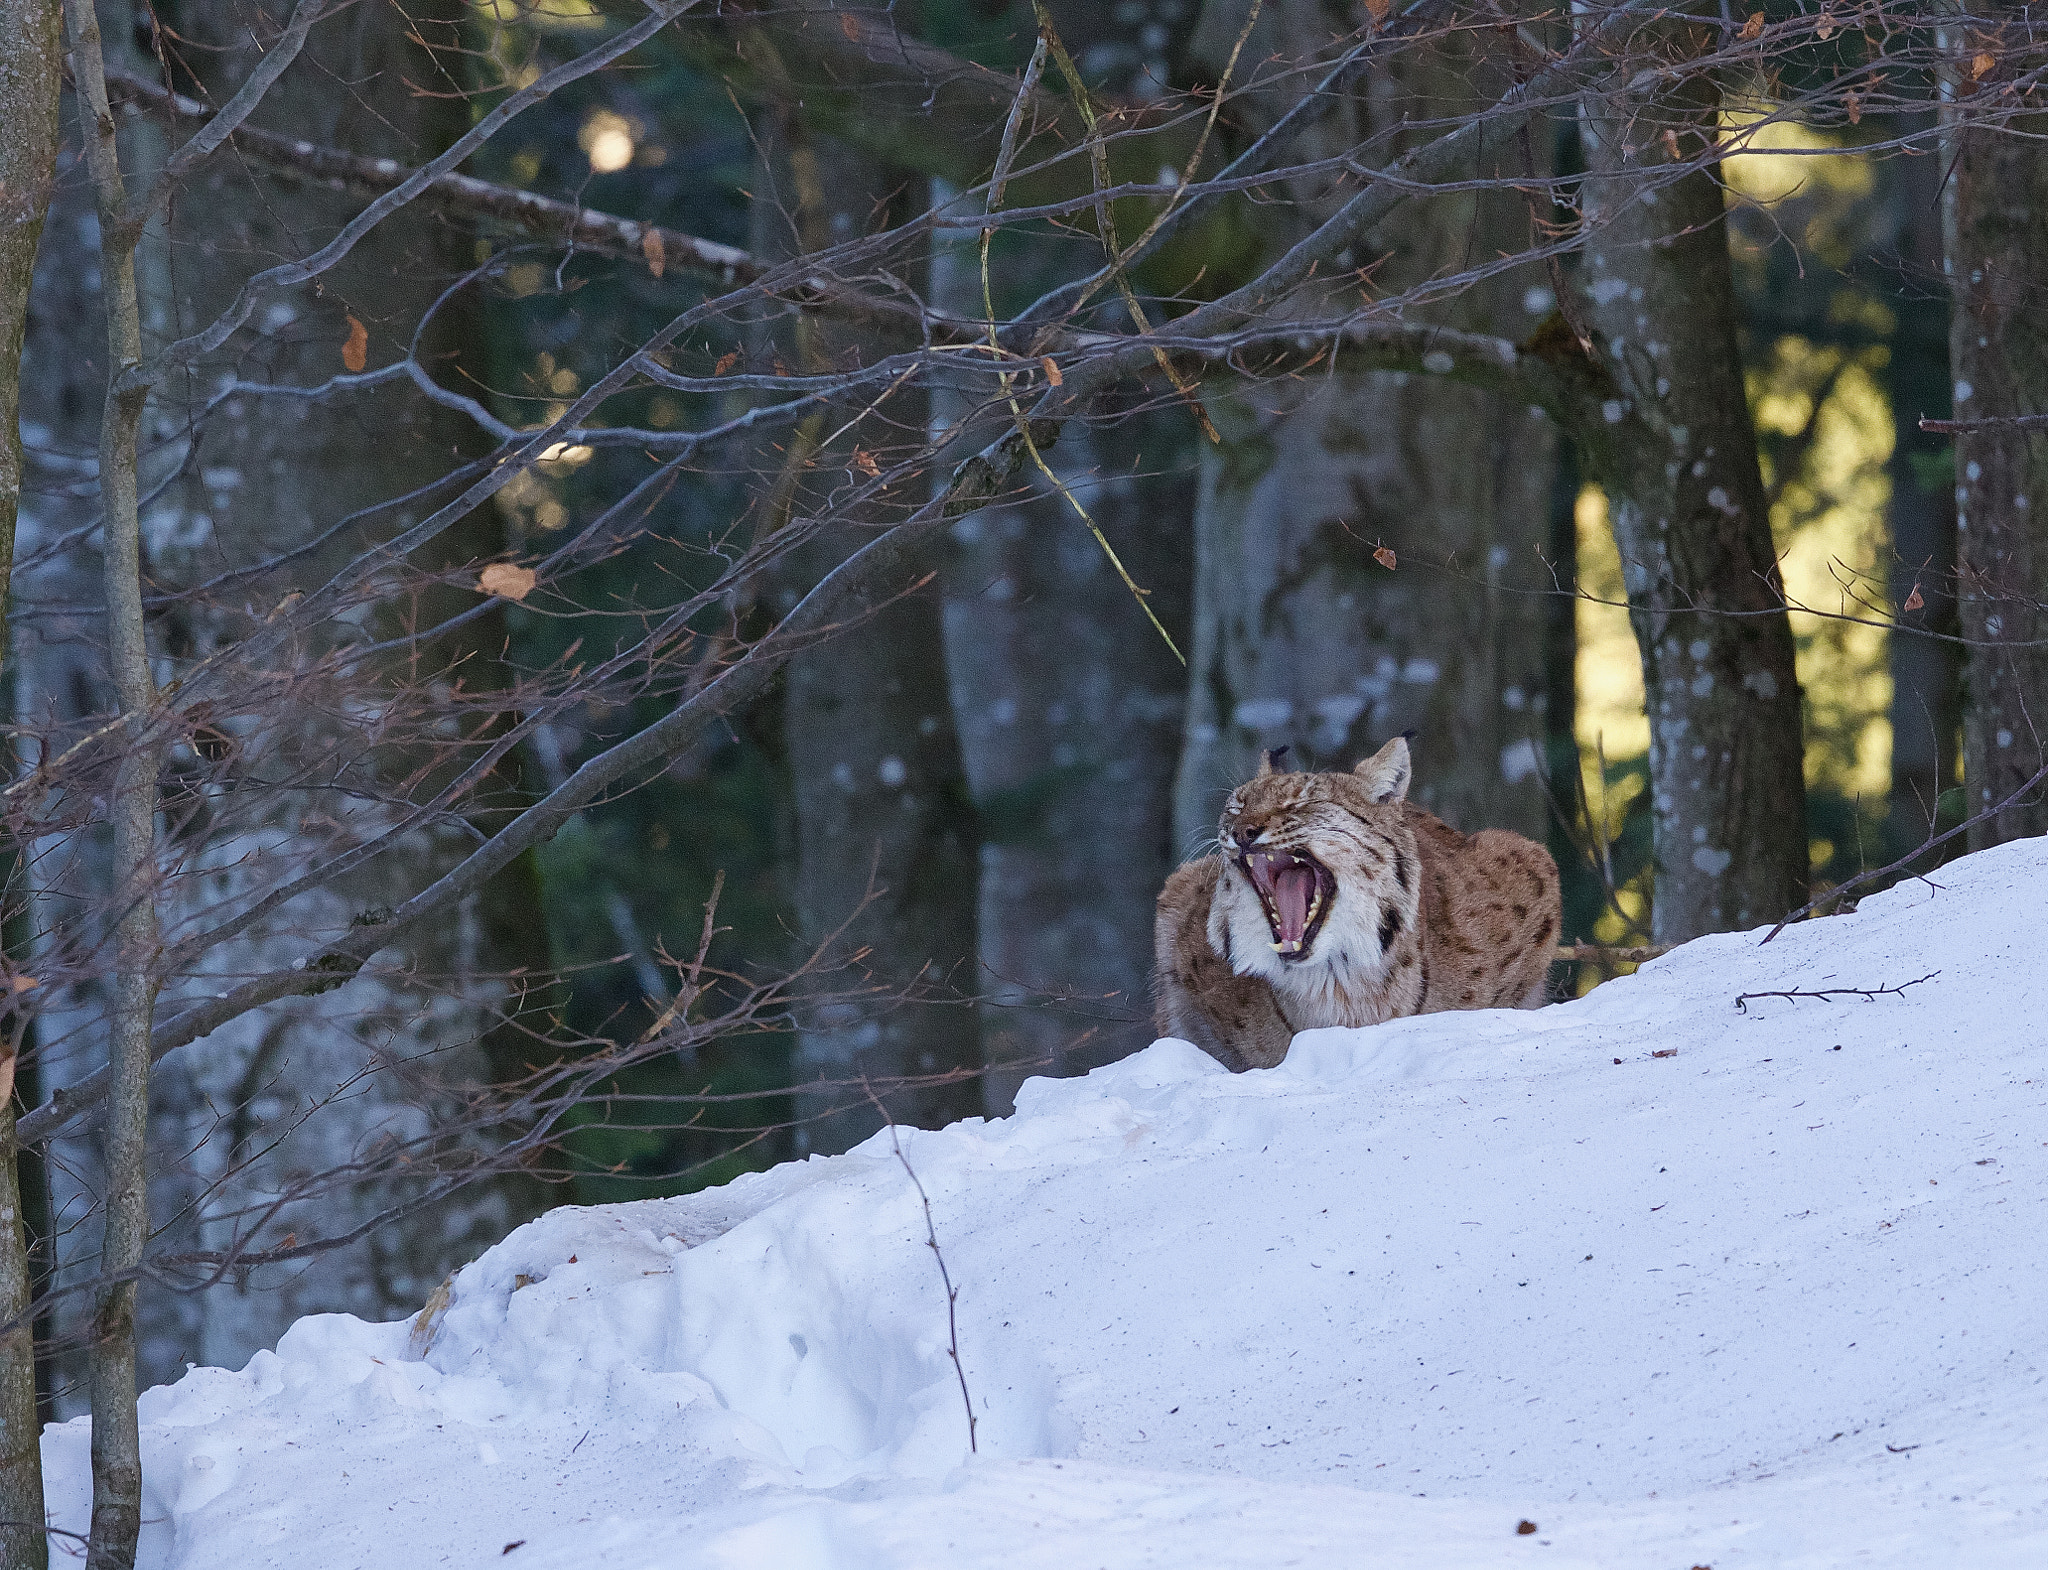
[1680,1284]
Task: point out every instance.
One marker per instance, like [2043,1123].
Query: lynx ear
[1387,772]
[1273,762]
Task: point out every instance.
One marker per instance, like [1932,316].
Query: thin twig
[1610,954]
[1988,422]
[931,1238]
[691,974]
[1931,842]
[1742,1001]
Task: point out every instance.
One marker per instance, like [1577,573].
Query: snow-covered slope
[1681,1284]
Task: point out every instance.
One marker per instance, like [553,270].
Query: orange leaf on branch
[507,580]
[655,249]
[355,354]
[1384,555]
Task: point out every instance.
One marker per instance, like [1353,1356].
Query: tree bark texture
[31,78]
[131,811]
[1687,503]
[884,828]
[1995,218]
[1302,636]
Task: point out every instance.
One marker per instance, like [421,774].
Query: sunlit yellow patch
[1611,722]
[1609,672]
[1828,522]
[574,14]
[1782,158]
[607,141]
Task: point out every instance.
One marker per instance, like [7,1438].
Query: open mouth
[1296,892]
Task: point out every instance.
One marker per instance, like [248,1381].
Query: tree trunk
[31,75]
[131,810]
[1687,502]
[1995,222]
[884,829]
[1302,635]
[1926,710]
[1069,706]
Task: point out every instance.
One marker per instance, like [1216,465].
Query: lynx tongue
[1292,889]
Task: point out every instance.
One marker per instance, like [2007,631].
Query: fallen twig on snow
[2040,777]
[1836,992]
[931,1238]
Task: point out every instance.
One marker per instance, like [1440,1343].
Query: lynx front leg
[1235,1019]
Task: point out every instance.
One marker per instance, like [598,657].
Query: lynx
[1333,900]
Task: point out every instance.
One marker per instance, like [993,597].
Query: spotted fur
[1422,918]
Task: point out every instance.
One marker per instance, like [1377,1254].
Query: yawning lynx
[1334,901]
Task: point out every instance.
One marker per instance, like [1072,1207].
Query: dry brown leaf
[1671,144]
[1378,9]
[355,354]
[1854,105]
[1753,27]
[1384,555]
[1825,28]
[1052,370]
[725,362]
[864,461]
[1913,600]
[655,249]
[1979,65]
[507,580]
[23,983]
[849,27]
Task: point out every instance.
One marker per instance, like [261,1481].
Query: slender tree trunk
[1303,635]
[1995,221]
[884,828]
[1687,503]
[1069,706]
[31,74]
[116,1443]
[1926,709]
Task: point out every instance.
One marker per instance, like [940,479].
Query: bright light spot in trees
[607,141]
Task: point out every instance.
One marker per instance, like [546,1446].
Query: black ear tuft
[1276,759]
[1408,735]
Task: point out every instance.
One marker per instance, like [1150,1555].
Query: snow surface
[1681,1284]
